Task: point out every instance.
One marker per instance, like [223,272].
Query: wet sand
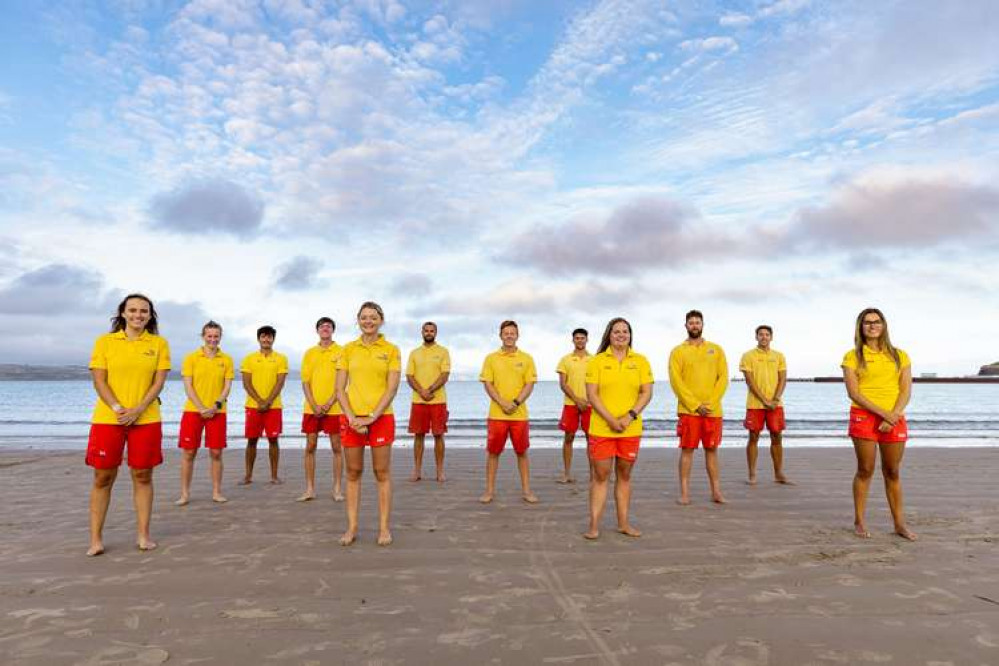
[773,577]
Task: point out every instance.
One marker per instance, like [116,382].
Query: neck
[874,343]
[429,344]
[132,333]
[266,352]
[579,352]
[368,338]
[210,351]
[695,341]
[762,348]
[510,349]
[326,343]
[619,351]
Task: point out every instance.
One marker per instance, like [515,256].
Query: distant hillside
[990,370]
[41,373]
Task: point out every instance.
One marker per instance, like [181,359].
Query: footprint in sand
[125,655]
[744,652]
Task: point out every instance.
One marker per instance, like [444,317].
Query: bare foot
[592,535]
[183,501]
[415,476]
[562,479]
[337,496]
[683,501]
[572,479]
[628,530]
[307,496]
[860,531]
[751,481]
[246,481]
[486,498]
[780,478]
[906,533]
[95,549]
[145,543]
[441,478]
[276,481]
[348,538]
[221,499]
[385,538]
[717,498]
[530,497]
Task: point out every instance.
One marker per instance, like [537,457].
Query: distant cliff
[990,370]
[29,373]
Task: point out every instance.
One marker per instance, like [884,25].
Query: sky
[558,163]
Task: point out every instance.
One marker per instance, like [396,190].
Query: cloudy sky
[468,161]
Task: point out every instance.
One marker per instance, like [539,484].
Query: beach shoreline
[773,577]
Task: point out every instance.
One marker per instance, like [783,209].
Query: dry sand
[774,577]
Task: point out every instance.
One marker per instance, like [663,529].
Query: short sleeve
[530,372]
[282,364]
[561,369]
[487,374]
[244,366]
[903,358]
[850,360]
[341,361]
[187,368]
[745,365]
[307,367]
[395,360]
[229,372]
[781,364]
[592,371]
[163,362]
[411,363]
[646,372]
[99,357]
[446,362]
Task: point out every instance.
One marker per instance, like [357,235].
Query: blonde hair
[886,345]
[371,305]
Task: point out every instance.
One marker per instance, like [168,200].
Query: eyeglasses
[875,322]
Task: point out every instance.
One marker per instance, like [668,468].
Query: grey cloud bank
[213,206]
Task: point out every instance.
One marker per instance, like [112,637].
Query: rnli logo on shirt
[632,366]
[149,352]
[382,357]
[608,367]
[711,351]
[518,364]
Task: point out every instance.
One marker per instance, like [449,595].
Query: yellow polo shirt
[208,376]
[264,371]
[508,373]
[574,369]
[426,364]
[368,368]
[132,366]
[879,379]
[618,385]
[698,375]
[765,367]
[319,372]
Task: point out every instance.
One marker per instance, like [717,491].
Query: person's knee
[354,472]
[865,471]
[251,444]
[890,472]
[600,474]
[190,454]
[143,477]
[754,439]
[104,478]
[623,473]
[216,454]
[273,442]
[381,474]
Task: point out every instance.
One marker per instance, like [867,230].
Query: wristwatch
[516,402]
[218,404]
[633,414]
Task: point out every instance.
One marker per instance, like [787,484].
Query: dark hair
[266,330]
[579,331]
[509,322]
[325,320]
[118,322]
[605,340]
[428,323]
[371,305]
[764,327]
[693,313]
[886,345]
[211,324]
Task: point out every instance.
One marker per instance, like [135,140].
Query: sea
[56,415]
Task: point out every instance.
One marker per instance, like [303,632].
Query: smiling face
[266,341]
[369,321]
[509,335]
[695,326]
[429,332]
[620,335]
[579,341]
[325,331]
[872,326]
[763,338]
[136,312]
[212,337]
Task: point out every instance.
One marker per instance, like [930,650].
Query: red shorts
[428,418]
[191,426]
[497,432]
[606,448]
[107,443]
[573,417]
[864,425]
[380,433]
[327,423]
[695,430]
[267,423]
[774,419]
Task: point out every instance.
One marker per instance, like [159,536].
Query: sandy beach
[774,577]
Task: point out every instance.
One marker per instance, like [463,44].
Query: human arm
[100,377]
[391,388]
[755,390]
[683,393]
[250,391]
[192,395]
[781,383]
[131,415]
[721,381]
[507,406]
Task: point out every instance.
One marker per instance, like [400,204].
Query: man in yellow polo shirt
[766,375]
[508,376]
[427,371]
[698,374]
[321,411]
[575,408]
[264,373]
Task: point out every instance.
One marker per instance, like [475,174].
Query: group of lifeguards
[349,392]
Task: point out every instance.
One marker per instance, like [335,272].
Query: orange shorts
[267,423]
[864,425]
[327,423]
[695,430]
[606,448]
[774,419]
[380,433]
[428,418]
[107,444]
[573,417]
[192,424]
[497,432]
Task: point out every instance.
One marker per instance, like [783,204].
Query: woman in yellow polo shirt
[878,379]
[129,366]
[618,387]
[367,379]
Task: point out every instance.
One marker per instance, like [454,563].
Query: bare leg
[492,464]
[622,497]
[217,495]
[418,457]
[142,498]
[777,456]
[355,467]
[567,441]
[381,463]
[100,500]
[599,474]
[714,478]
[186,472]
[891,465]
[309,462]
[686,462]
[439,457]
[524,467]
[274,453]
[337,467]
[251,458]
[752,452]
[866,451]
